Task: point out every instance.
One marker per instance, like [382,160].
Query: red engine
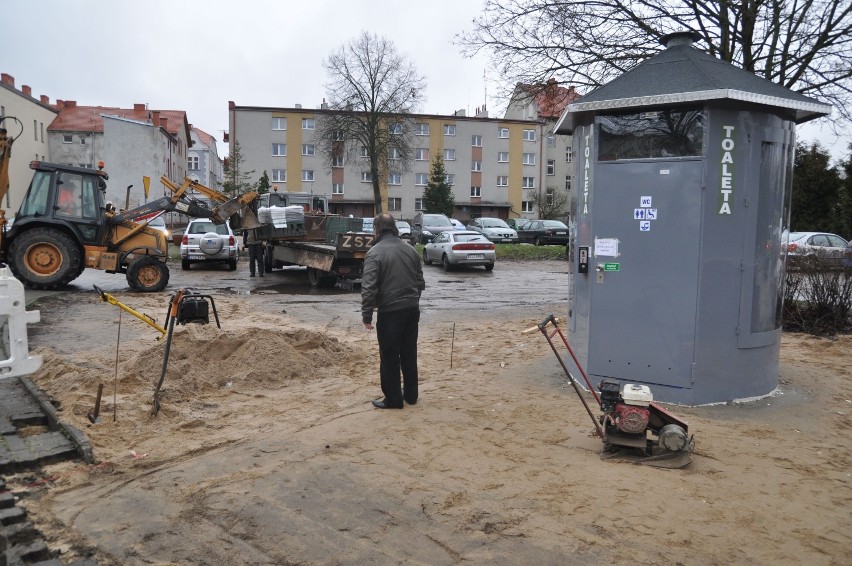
[631,419]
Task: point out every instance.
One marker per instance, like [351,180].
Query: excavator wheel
[46,259]
[147,274]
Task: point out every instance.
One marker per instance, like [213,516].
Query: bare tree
[551,203]
[805,45]
[371,94]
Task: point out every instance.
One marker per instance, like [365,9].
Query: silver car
[815,249]
[494,229]
[206,242]
[455,247]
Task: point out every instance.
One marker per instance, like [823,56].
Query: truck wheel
[319,278]
[43,258]
[267,260]
[147,274]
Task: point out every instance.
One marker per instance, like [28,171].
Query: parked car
[457,224]
[206,242]
[404,230]
[425,226]
[456,247]
[847,258]
[540,232]
[516,223]
[816,248]
[160,225]
[494,229]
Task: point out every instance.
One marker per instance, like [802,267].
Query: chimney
[680,38]
[27,90]
[7,79]
[155,118]
[60,104]
[461,112]
[324,104]
[298,105]
[225,137]
[139,107]
[70,104]
[164,123]
[44,99]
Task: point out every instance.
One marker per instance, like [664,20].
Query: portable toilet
[684,168]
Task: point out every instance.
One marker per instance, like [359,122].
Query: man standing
[255,250]
[391,283]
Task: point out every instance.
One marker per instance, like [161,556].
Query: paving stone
[13,515]
[7,500]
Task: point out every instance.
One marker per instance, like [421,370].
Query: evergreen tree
[816,192]
[237,179]
[438,195]
[263,185]
[845,204]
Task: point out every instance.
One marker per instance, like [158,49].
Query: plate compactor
[631,426]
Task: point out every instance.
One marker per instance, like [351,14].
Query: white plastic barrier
[14,317]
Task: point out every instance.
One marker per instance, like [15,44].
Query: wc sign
[726,171]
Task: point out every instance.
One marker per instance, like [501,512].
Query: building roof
[73,118]
[681,74]
[549,99]
[204,137]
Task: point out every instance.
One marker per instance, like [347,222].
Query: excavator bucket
[226,210]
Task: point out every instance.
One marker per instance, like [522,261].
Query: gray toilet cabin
[683,181]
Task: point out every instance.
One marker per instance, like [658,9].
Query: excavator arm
[229,207]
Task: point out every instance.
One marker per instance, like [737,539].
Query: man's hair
[384,223]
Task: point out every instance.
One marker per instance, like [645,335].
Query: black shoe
[382,404]
[252,275]
[406,399]
[261,274]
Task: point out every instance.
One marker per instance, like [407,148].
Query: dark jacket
[392,278]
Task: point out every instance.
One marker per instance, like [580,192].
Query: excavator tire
[147,274]
[45,258]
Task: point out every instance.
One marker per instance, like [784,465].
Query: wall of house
[32,144]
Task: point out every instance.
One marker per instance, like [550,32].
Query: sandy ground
[267,451]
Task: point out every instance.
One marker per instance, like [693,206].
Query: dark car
[540,232]
[424,227]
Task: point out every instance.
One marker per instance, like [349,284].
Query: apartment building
[203,162]
[25,118]
[133,143]
[492,164]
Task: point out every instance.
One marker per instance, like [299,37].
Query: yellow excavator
[65,225]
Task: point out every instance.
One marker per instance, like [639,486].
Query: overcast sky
[196,55]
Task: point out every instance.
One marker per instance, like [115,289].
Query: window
[421,129]
[551,141]
[393,153]
[418,204]
[67,138]
[667,133]
[309,124]
[450,178]
[476,141]
[449,129]
[337,189]
[337,161]
[35,130]
[279,175]
[526,206]
[308,149]
[529,135]
[476,165]
[551,167]
[529,159]
[279,123]
[502,181]
[192,163]
[421,154]
[567,182]
[549,196]
[394,203]
[503,133]
[366,177]
[503,156]
[82,140]
[279,149]
[568,154]
[337,135]
[307,174]
[41,127]
[364,152]
[449,155]
[421,179]
[528,182]
[476,191]
[395,128]
[394,179]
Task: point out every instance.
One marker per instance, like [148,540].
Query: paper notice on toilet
[606,247]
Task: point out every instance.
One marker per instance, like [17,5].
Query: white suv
[206,242]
